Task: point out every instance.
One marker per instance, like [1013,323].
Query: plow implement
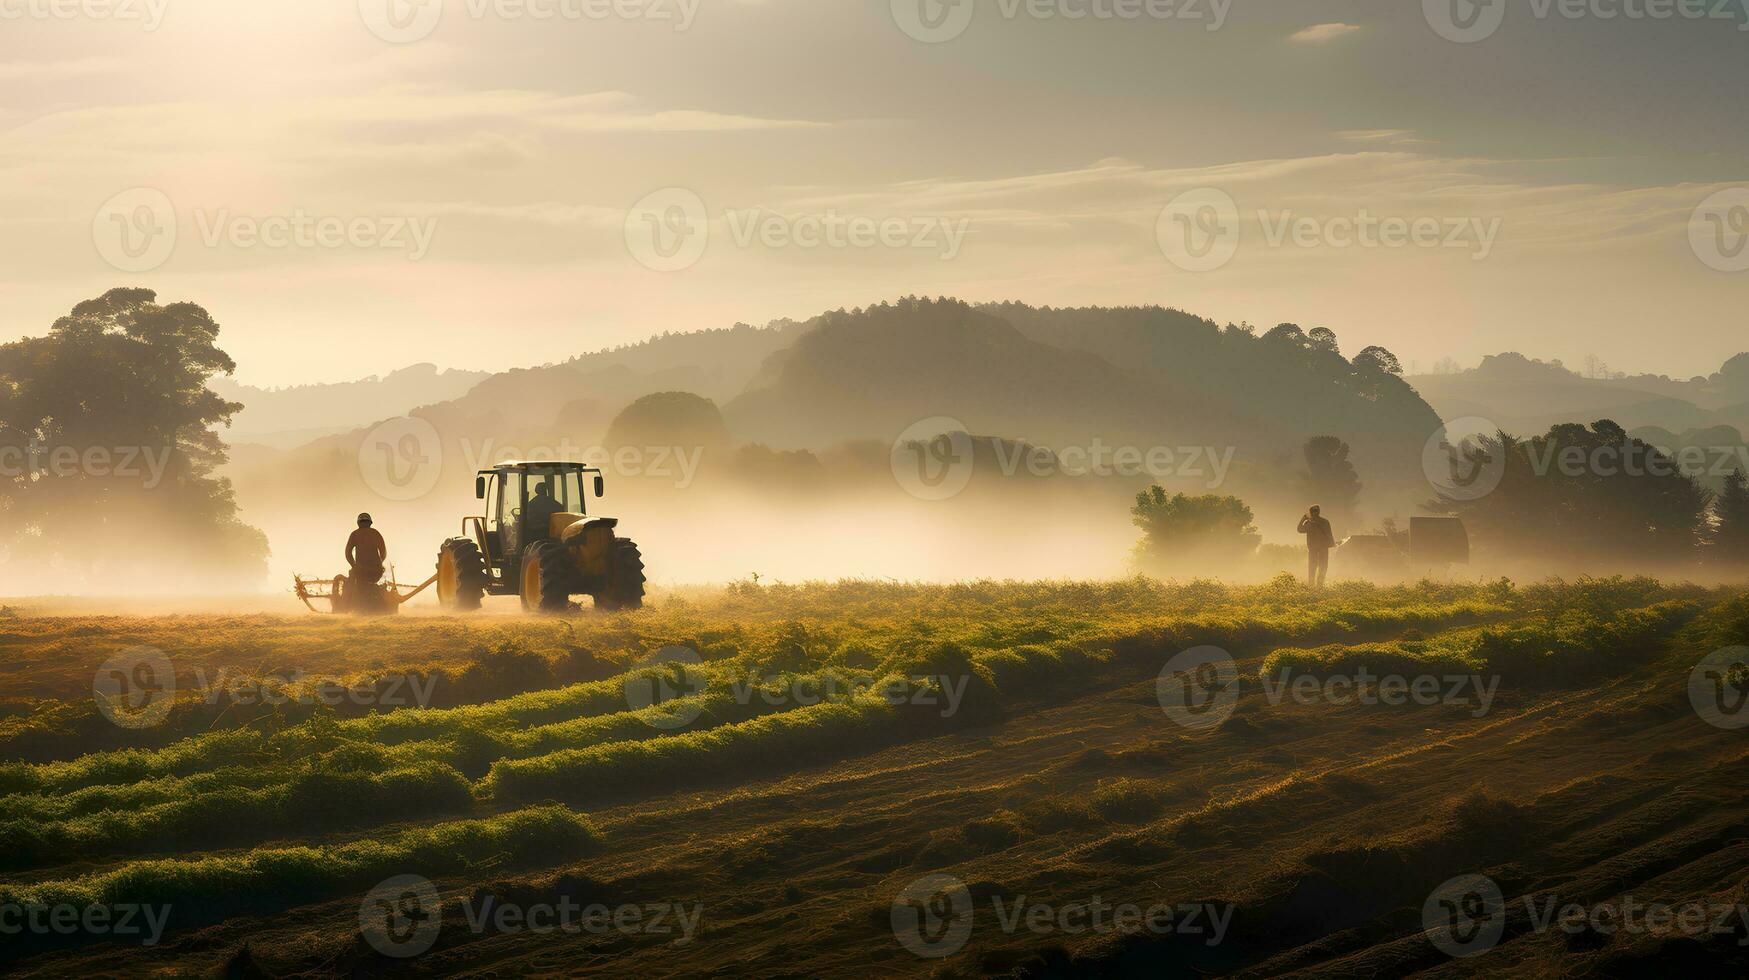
[346,597]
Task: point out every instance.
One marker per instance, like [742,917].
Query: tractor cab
[529,502]
[538,540]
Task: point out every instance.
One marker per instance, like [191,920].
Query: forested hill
[1142,376]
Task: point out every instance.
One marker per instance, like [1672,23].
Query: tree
[1331,480]
[677,419]
[1730,539]
[1183,532]
[1288,335]
[1595,496]
[106,427]
[1324,339]
[1377,360]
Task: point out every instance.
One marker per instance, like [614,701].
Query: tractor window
[564,485]
[509,514]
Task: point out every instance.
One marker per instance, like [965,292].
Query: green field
[788,761]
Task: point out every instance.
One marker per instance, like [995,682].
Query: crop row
[1559,649]
[206,889]
[471,738]
[345,783]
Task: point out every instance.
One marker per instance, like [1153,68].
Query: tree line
[1591,496]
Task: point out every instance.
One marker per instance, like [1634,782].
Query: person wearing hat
[366,551]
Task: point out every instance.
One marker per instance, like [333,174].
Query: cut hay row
[474,737]
[306,803]
[1560,649]
[209,888]
[1523,652]
[815,734]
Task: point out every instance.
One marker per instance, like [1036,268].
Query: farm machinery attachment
[347,597]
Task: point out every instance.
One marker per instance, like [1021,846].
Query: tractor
[537,540]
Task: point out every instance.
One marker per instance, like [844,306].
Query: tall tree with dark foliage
[108,447]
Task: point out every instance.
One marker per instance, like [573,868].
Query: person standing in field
[366,551]
[1319,540]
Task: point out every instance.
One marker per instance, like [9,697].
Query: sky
[351,186]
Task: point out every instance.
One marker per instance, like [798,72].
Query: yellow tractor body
[538,540]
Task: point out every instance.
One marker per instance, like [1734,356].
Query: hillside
[1228,409]
[1143,377]
[1526,396]
[292,416]
[873,373]
[576,399]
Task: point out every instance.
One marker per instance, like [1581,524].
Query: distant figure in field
[538,524]
[1319,540]
[366,551]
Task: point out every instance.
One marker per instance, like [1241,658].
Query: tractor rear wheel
[547,574]
[625,580]
[461,575]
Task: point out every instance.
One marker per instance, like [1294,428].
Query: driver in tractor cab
[538,516]
[366,551]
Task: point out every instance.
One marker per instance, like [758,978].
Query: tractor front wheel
[546,578]
[461,575]
[625,580]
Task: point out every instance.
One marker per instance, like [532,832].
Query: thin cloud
[1393,137]
[1323,33]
